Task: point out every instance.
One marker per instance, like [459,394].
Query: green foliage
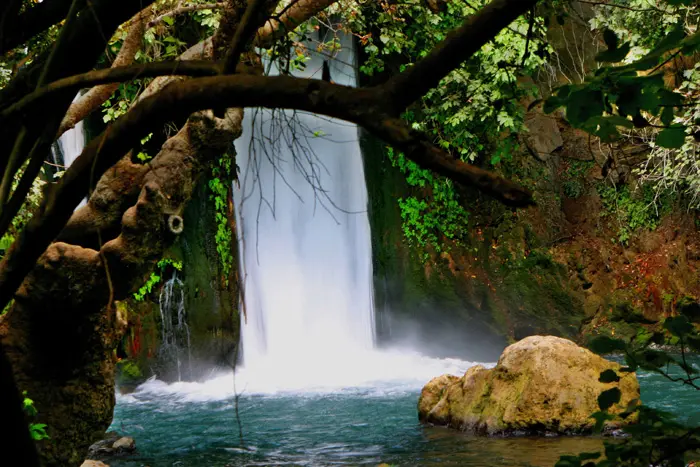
[155,278]
[474,113]
[31,203]
[633,211]
[220,186]
[437,214]
[573,188]
[36,430]
[673,164]
[655,439]
[633,95]
[129,370]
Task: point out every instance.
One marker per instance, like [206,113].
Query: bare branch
[405,88]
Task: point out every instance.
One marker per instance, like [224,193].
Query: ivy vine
[155,278]
[220,184]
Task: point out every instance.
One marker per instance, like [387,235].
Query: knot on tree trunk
[176,224]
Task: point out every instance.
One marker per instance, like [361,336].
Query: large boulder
[541,384]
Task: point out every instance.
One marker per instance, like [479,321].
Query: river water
[369,422]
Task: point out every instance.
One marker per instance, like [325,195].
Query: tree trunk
[65,323]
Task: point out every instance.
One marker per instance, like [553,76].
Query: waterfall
[69,146]
[175,333]
[301,206]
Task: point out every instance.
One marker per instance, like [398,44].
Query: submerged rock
[113,445]
[541,385]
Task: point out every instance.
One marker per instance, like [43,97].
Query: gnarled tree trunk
[62,330]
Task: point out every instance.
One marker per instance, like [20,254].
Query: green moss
[128,372]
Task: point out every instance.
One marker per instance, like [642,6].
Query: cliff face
[596,254]
[210,306]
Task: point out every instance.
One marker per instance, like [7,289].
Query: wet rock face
[541,385]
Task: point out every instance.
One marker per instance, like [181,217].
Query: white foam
[375,373]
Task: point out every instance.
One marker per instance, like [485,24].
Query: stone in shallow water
[113,445]
[541,385]
[90,463]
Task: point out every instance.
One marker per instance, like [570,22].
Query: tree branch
[296,14]
[250,22]
[407,87]
[74,83]
[98,95]
[240,90]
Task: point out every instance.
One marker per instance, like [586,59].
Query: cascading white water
[69,146]
[304,233]
[175,335]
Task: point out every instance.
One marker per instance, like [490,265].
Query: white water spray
[305,236]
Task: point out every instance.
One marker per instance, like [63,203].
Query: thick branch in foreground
[34,101]
[96,96]
[360,106]
[409,86]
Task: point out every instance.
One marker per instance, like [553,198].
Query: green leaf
[568,461]
[168,20]
[671,40]
[667,115]
[606,345]
[610,39]
[586,456]
[650,359]
[608,398]
[671,138]
[609,376]
[600,419]
[678,325]
[583,105]
[614,55]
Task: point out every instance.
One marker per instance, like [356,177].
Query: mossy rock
[541,384]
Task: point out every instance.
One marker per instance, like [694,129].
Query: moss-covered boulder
[541,384]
